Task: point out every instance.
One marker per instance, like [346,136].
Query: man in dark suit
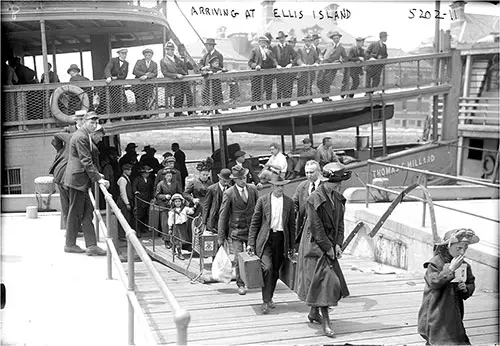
[285,57]
[117,68]
[376,50]
[149,159]
[307,55]
[173,68]
[53,78]
[356,54]
[238,204]
[186,65]
[272,236]
[213,200]
[144,69]
[261,57]
[252,177]
[212,90]
[180,163]
[335,53]
[60,142]
[304,189]
[81,173]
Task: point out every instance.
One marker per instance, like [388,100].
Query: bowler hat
[210,41]
[80,113]
[335,172]
[238,172]
[146,169]
[334,33]
[279,181]
[224,174]
[147,50]
[281,34]
[458,235]
[269,36]
[130,146]
[90,115]
[126,167]
[382,33]
[73,67]
[169,45]
[149,149]
[123,50]
[239,153]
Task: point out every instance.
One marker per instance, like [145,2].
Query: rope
[191,25]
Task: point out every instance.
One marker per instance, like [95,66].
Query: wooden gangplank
[382,309]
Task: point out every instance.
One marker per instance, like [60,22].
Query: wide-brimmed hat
[457,235]
[315,36]
[203,166]
[281,34]
[123,50]
[126,167]
[73,67]
[334,33]
[238,172]
[80,113]
[264,38]
[169,45]
[279,181]
[147,50]
[224,174]
[91,115]
[335,172]
[177,196]
[145,169]
[130,146]
[210,41]
[169,170]
[239,153]
[149,149]
[269,36]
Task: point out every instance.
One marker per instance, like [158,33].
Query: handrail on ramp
[182,317]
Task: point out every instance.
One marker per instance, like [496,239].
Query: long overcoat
[211,206]
[324,228]
[440,319]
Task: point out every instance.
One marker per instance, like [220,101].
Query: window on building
[403,123]
[397,122]
[411,122]
[419,123]
[11,181]
[475,154]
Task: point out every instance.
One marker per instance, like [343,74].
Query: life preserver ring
[54,98]
[488,164]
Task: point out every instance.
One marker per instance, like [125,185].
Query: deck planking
[382,309]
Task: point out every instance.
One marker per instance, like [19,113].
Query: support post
[34,66]
[81,63]
[131,288]
[424,203]
[449,126]
[54,54]
[212,140]
[44,52]
[311,129]
[460,154]
[282,143]
[223,147]
[435,117]
[293,134]
[109,238]
[437,35]
[384,132]
[368,178]
[97,208]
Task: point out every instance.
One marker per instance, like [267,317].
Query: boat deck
[382,309]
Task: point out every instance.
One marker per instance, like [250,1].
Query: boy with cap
[239,159]
[212,87]
[168,165]
[376,50]
[74,72]
[81,173]
[79,115]
[144,69]
[117,68]
[356,54]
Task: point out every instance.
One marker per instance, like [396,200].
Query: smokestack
[221,32]
[267,12]
[458,9]
[330,9]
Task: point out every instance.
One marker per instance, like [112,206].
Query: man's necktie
[313,188]
[244,196]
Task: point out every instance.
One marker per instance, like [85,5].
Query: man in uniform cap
[272,237]
[212,87]
[261,57]
[144,69]
[238,203]
[335,53]
[81,173]
[307,55]
[356,54]
[376,50]
[117,68]
[285,57]
[213,200]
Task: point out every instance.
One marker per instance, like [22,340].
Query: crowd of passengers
[281,55]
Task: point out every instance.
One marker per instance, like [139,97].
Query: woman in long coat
[196,189]
[320,282]
[164,192]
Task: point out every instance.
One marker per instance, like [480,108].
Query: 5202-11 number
[428,15]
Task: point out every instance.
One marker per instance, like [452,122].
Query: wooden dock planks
[382,309]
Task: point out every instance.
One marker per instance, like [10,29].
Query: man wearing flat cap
[144,69]
[335,53]
[117,68]
[272,237]
[285,57]
[307,55]
[238,204]
[212,90]
[81,173]
[357,55]
[261,57]
[376,50]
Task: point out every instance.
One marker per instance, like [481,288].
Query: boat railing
[51,105]
[479,111]
[423,178]
[181,316]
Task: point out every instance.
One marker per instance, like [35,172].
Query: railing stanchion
[131,288]
[368,178]
[98,209]
[424,203]
[108,237]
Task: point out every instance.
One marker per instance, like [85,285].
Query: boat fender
[54,98]
[488,164]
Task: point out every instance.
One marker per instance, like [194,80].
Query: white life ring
[54,98]
[488,164]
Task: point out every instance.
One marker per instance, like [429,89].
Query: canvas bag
[222,268]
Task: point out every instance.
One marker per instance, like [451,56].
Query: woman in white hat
[448,282]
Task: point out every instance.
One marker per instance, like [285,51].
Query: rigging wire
[191,25]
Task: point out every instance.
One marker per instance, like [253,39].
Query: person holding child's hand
[448,282]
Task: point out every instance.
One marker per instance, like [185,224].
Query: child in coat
[448,282]
[178,223]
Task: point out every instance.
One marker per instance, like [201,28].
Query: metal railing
[31,105]
[479,111]
[181,316]
[425,174]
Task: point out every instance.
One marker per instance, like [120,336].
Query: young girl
[440,320]
[178,223]
[164,192]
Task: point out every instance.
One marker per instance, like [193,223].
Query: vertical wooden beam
[460,154]
[34,66]
[435,117]
[54,54]
[81,63]
[282,143]
[44,52]
[293,134]
[212,140]
[449,127]
[384,132]
[468,67]
[223,146]
[311,129]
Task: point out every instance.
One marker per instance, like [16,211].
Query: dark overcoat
[256,58]
[113,69]
[299,200]
[236,215]
[440,319]
[61,143]
[161,174]
[211,206]
[284,56]
[197,189]
[163,189]
[81,171]
[141,69]
[261,224]
[354,54]
[208,56]
[143,189]
[180,164]
[323,229]
[375,50]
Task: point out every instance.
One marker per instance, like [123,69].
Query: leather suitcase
[250,270]
[288,272]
